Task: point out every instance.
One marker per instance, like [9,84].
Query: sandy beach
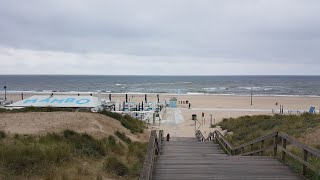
[178,121]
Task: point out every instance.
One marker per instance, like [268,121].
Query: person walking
[189,105]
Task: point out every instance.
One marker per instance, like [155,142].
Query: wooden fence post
[261,147]
[284,145]
[305,158]
[275,144]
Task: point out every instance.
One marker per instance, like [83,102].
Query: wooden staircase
[187,158]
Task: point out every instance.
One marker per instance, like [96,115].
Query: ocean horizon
[261,85]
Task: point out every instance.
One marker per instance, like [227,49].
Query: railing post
[284,145]
[261,147]
[305,158]
[275,144]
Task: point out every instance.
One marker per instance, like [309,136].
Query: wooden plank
[186,160]
[297,158]
[269,136]
[294,141]
[257,151]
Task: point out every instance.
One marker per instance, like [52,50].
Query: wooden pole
[142,106]
[251,95]
[284,145]
[305,158]
[5,93]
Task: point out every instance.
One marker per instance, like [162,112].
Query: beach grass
[134,125]
[57,154]
[246,128]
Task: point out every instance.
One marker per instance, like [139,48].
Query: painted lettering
[69,100]
[30,101]
[57,100]
[83,101]
[45,100]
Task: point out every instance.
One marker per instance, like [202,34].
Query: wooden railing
[277,141]
[154,148]
[200,136]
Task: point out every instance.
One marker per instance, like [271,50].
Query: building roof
[58,101]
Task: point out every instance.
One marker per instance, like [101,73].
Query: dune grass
[49,155]
[247,128]
[134,125]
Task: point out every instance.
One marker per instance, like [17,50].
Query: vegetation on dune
[54,156]
[134,125]
[247,128]
[123,137]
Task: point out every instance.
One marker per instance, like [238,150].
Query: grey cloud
[221,31]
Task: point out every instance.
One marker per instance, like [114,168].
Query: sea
[193,85]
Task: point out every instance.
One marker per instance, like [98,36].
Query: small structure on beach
[173,102]
[58,101]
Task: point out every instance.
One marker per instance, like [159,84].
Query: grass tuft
[123,137]
[116,166]
[134,125]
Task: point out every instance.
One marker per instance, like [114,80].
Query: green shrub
[116,166]
[84,144]
[123,137]
[134,125]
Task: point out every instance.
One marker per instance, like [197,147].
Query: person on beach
[189,105]
[168,137]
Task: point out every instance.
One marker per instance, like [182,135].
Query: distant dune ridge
[97,125]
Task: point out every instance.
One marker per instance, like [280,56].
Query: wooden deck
[187,158]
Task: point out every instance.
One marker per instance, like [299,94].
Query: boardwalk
[186,158]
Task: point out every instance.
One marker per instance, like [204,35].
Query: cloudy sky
[167,37]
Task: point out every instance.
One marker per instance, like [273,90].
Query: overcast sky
[167,37]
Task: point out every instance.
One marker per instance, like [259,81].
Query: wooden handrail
[154,148]
[200,136]
[276,137]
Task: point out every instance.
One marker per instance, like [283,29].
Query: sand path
[177,125]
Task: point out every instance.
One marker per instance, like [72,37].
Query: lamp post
[5,93]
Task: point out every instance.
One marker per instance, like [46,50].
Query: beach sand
[178,121]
